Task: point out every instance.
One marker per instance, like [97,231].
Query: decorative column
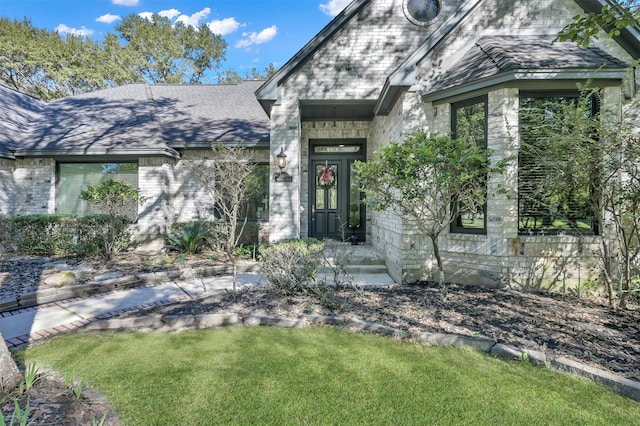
[284,194]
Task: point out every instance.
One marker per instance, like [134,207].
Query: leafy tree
[233,77]
[113,199]
[48,66]
[421,178]
[228,180]
[611,19]
[596,161]
[171,53]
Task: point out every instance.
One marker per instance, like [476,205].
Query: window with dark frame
[554,191]
[75,177]
[469,122]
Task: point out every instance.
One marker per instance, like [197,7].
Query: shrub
[189,239]
[290,266]
[59,235]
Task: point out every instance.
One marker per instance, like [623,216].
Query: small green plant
[524,358]
[20,416]
[76,388]
[243,250]
[354,217]
[101,422]
[191,239]
[31,376]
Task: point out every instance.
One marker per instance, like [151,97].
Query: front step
[364,264]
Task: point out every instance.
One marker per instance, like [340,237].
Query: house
[379,71]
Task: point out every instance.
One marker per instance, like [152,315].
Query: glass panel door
[336,211]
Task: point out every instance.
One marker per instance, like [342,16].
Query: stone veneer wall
[284,208]
[7,186]
[34,180]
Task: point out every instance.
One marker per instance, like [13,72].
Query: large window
[75,177]
[469,122]
[555,182]
[257,205]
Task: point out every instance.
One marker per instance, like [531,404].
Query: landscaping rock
[506,352]
[201,321]
[440,339]
[108,276]
[61,279]
[257,320]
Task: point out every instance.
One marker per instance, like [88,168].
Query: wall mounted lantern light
[281,161]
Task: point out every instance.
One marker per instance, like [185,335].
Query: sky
[257,32]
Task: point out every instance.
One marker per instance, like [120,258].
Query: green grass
[319,376]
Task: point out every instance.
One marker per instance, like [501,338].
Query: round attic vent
[421,12]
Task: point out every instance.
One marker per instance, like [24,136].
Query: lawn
[319,376]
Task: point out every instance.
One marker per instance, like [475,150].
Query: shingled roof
[496,55]
[135,119]
[18,113]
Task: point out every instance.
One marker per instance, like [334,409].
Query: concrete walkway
[23,326]
[29,324]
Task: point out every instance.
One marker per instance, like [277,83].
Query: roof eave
[73,152]
[261,144]
[629,38]
[7,155]
[614,76]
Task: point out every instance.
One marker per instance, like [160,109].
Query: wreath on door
[326,177]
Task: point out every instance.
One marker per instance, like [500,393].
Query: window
[555,183]
[257,205]
[469,121]
[75,177]
[422,12]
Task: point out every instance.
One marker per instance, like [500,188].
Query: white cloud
[333,7]
[170,13]
[257,38]
[83,31]
[224,26]
[126,2]
[108,18]
[194,20]
[146,15]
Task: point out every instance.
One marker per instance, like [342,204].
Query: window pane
[75,177]
[554,191]
[257,205]
[336,149]
[469,123]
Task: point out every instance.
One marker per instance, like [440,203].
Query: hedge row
[58,235]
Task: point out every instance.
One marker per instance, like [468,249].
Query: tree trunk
[9,374]
[436,253]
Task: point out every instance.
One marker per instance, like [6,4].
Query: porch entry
[336,210]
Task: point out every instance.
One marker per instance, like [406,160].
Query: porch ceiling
[358,110]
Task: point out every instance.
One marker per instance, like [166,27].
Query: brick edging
[105,322]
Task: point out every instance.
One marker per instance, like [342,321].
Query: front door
[336,209]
